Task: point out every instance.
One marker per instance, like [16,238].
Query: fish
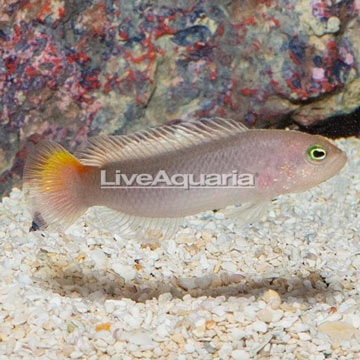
[258,165]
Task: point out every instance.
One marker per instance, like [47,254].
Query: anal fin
[136,226]
[246,213]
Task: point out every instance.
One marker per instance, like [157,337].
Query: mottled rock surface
[69,69]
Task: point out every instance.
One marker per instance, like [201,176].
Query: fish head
[306,161]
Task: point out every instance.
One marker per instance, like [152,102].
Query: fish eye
[316,153]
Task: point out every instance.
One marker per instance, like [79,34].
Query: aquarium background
[285,287]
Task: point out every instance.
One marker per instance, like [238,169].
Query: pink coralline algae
[318,74]
[73,69]
[321,9]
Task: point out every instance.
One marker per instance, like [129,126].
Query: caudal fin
[52,185]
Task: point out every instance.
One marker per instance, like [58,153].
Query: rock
[125,271]
[237,334]
[103,327]
[272,298]
[210,324]
[304,336]
[333,24]
[189,347]
[287,322]
[162,330]
[65,73]
[137,337]
[219,310]
[229,266]
[25,279]
[140,338]
[225,351]
[339,330]
[178,338]
[265,315]
[268,315]
[81,307]
[260,326]
[240,355]
[98,257]
[76,355]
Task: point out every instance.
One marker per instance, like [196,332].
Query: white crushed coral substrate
[287,287]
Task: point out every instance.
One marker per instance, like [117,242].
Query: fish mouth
[339,161]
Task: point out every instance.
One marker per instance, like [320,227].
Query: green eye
[316,153]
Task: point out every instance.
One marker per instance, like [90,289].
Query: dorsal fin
[101,150]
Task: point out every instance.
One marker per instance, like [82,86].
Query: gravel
[286,287]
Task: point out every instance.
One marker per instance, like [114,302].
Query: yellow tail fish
[152,179]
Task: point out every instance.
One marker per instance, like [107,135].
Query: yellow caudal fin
[52,186]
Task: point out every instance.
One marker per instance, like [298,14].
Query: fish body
[61,187]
